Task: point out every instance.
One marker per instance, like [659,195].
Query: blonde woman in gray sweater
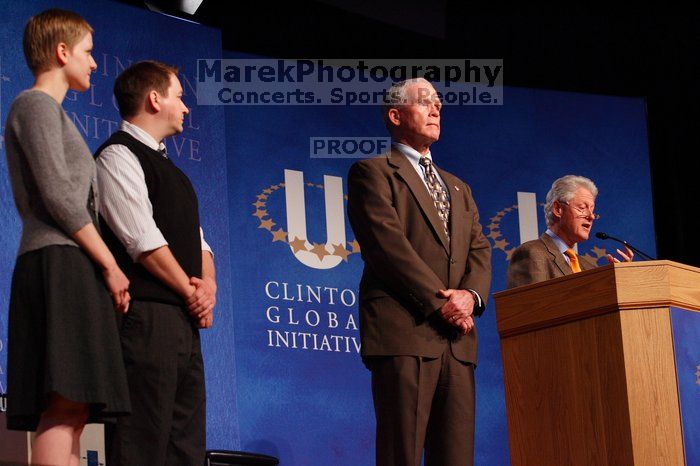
[64,358]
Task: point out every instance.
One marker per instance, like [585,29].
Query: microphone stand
[602,235]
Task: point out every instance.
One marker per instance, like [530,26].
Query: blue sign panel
[686,343]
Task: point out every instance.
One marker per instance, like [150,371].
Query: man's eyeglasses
[585,212]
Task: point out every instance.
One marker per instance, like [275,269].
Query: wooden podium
[589,366]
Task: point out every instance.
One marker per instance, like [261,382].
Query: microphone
[601,235]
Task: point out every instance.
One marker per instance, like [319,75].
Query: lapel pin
[456,188]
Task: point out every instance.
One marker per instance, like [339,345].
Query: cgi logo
[501,229]
[347,147]
[317,255]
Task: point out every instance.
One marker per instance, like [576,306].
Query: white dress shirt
[124,202]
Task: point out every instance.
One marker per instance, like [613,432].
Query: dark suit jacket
[408,258]
[539,260]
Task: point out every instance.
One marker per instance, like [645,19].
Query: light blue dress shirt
[414,156]
[560,244]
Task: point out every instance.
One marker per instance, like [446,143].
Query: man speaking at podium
[569,212]
[427,272]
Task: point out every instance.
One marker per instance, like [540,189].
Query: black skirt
[62,338]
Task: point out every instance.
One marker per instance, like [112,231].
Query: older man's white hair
[396,95]
[563,190]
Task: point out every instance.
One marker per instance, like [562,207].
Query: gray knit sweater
[51,170]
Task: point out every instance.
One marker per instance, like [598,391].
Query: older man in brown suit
[569,211]
[427,273]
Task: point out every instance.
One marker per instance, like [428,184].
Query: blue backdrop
[123,35]
[311,404]
[283,372]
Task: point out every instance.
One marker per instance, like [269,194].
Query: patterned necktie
[437,192]
[573,260]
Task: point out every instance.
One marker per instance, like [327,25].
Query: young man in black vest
[150,220]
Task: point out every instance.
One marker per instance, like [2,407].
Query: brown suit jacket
[539,260]
[408,258]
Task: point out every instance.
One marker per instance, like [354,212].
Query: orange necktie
[573,260]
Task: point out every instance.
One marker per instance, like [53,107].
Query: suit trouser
[165,372]
[423,403]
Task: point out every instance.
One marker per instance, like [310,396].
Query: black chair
[238,458]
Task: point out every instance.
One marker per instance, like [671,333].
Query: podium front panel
[686,344]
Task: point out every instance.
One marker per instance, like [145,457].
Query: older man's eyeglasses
[582,211]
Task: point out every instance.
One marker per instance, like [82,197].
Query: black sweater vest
[176,213]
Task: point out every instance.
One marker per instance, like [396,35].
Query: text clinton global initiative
[302,314]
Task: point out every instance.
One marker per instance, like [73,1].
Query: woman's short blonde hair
[45,31]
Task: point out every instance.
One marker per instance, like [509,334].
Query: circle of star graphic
[297,244]
[494,235]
